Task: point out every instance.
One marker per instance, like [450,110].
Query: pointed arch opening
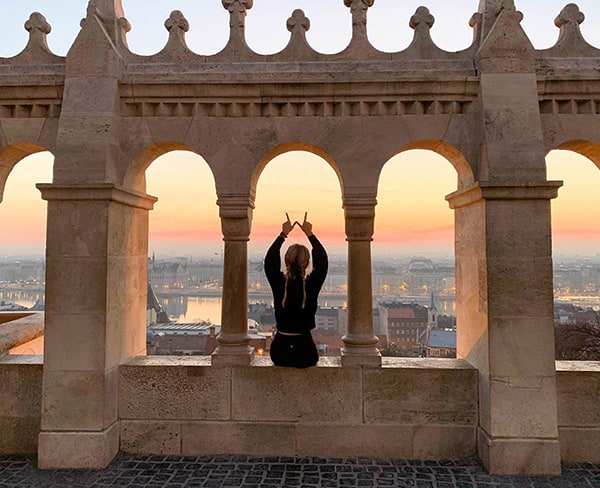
[576,250]
[300,179]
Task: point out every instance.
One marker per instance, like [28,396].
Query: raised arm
[319,255]
[273,257]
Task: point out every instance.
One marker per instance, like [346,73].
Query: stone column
[234,342]
[96,279]
[505,322]
[360,344]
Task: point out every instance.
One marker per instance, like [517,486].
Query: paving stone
[279,472]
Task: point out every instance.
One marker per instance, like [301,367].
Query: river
[198,308]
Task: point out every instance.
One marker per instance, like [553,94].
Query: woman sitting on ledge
[295,295]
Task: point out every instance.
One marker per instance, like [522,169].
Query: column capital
[360,217]
[236,216]
[486,191]
[102,191]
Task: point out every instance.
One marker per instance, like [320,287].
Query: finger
[305,215]
[288,217]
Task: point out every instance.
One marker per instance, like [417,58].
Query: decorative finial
[237,18]
[177,22]
[570,15]
[37,22]
[422,19]
[298,21]
[359,16]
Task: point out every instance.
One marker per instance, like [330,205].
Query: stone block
[522,224]
[76,285]
[514,457]
[523,407]
[80,231]
[78,450]
[179,388]
[578,392]
[72,341]
[151,437]
[74,400]
[254,439]
[20,386]
[19,435]
[421,395]
[385,441]
[579,444]
[294,395]
[521,346]
[519,287]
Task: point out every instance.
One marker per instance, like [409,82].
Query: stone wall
[20,403]
[578,385]
[416,408]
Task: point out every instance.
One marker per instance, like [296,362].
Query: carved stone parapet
[484,191]
[101,192]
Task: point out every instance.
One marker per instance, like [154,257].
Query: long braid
[296,259]
[289,275]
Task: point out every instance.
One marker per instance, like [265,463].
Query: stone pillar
[505,322]
[96,279]
[234,342]
[360,344]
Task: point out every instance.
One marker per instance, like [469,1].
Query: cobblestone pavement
[275,472]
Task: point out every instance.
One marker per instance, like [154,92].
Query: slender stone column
[505,322]
[234,342]
[96,277]
[360,344]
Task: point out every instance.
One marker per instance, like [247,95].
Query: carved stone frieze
[283,108]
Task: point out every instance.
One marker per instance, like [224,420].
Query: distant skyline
[412,216]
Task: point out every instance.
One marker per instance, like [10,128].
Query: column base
[232,356]
[78,450]
[361,350]
[517,457]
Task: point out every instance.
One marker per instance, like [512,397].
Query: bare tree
[579,341]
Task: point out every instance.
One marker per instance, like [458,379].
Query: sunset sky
[412,215]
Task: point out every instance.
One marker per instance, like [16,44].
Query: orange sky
[412,216]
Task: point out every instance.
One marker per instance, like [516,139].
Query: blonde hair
[297,258]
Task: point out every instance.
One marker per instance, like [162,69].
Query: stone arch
[588,149]
[288,147]
[10,156]
[401,336]
[135,176]
[451,153]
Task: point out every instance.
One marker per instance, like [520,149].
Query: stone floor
[275,472]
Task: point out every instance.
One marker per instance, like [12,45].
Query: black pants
[295,351]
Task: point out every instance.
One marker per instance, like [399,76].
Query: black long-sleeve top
[293,318]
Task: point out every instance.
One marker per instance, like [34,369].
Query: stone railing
[17,328]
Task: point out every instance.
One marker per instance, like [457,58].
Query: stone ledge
[22,329]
